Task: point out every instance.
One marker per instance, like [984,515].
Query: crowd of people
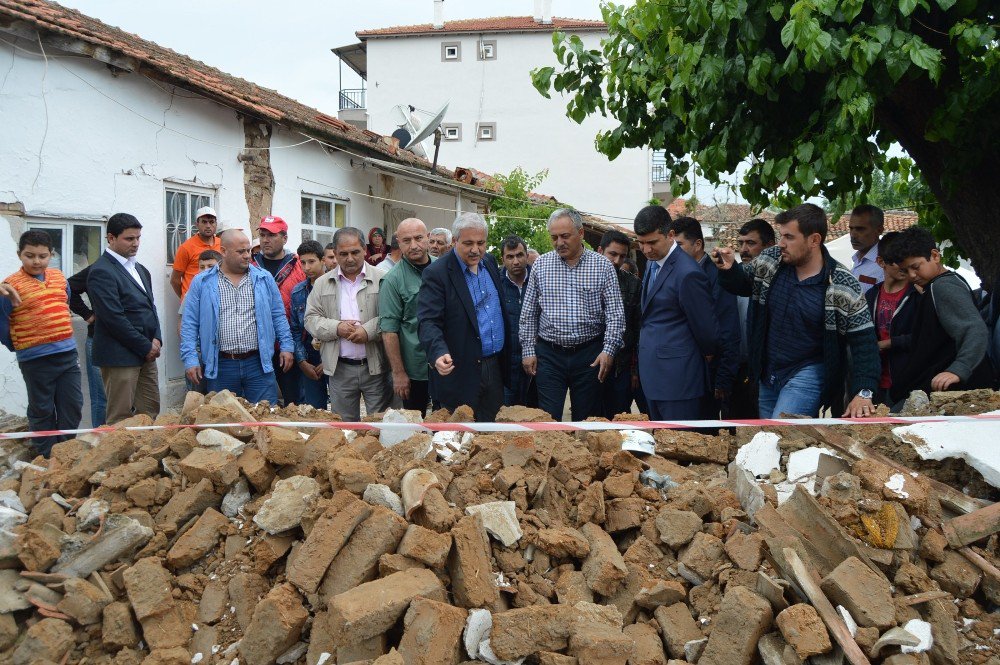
[431,319]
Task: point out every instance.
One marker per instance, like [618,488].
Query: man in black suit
[127,330]
[462,325]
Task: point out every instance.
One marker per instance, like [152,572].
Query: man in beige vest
[342,314]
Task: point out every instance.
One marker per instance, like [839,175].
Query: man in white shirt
[127,330]
[865,226]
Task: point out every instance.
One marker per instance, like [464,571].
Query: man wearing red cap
[287,272]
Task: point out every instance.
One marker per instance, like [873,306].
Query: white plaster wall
[532,132]
[70,150]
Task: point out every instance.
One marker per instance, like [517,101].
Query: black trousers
[487,397]
[560,369]
[419,396]
[743,403]
[55,400]
[289,383]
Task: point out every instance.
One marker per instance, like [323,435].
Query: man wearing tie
[678,332]
[127,330]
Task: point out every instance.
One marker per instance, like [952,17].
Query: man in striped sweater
[35,325]
[810,322]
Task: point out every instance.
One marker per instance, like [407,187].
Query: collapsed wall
[323,546]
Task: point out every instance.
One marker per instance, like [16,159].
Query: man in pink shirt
[342,314]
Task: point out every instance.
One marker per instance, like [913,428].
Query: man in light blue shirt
[865,226]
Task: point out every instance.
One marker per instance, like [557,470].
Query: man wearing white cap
[186,258]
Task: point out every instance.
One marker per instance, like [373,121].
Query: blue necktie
[654,268]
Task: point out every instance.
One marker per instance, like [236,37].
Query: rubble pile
[257,545]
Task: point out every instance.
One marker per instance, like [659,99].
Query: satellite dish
[429,128]
[402,136]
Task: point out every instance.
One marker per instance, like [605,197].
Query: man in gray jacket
[342,314]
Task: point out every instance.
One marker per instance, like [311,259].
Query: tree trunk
[964,178]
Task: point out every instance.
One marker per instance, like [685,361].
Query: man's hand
[154,351]
[287,360]
[9,292]
[345,329]
[93,317]
[859,408]
[723,257]
[605,362]
[530,365]
[884,344]
[401,385]
[944,380]
[359,336]
[444,365]
[194,374]
[309,370]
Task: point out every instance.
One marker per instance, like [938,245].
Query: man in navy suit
[462,325]
[679,331]
[127,330]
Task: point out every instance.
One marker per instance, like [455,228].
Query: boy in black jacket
[948,349]
[893,304]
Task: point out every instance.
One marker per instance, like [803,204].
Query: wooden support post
[965,529]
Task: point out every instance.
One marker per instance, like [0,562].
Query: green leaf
[788,34]
[946,4]
[906,7]
[777,11]
[542,80]
[926,57]
[804,151]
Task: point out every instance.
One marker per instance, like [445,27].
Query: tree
[812,93]
[515,213]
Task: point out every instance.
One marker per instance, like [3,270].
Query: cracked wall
[258,178]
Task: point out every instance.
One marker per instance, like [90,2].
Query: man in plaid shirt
[572,321]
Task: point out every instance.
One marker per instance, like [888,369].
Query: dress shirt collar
[360,275]
[670,251]
[128,263]
[869,256]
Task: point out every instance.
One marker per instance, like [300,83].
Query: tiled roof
[147,58]
[895,220]
[478,25]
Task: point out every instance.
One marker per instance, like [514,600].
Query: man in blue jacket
[234,311]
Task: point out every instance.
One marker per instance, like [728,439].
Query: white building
[496,120]
[94,120]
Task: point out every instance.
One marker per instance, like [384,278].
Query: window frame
[482,46]
[447,126]
[66,226]
[449,45]
[489,126]
[188,190]
[308,230]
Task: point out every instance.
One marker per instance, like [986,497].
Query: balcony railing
[660,172]
[352,99]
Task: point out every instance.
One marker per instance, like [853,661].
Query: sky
[289,51]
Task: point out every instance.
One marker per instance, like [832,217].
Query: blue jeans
[800,395]
[245,378]
[95,385]
[315,393]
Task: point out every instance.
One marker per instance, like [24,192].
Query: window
[488,49]
[486,131]
[451,131]
[451,51]
[76,244]
[182,202]
[321,217]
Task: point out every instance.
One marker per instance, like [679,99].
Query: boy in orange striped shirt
[35,324]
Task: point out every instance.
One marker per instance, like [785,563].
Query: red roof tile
[895,220]
[149,59]
[478,25]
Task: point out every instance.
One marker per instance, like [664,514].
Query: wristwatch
[864,393]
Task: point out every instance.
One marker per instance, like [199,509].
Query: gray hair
[348,231]
[441,231]
[468,220]
[573,216]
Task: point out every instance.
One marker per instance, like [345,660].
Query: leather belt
[238,356]
[352,361]
[570,348]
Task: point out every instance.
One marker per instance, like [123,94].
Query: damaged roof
[75,32]
[491,24]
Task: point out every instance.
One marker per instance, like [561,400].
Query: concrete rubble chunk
[382,495]
[428,547]
[499,520]
[275,627]
[521,632]
[562,542]
[743,619]
[47,641]
[432,633]
[677,527]
[677,627]
[329,534]
[199,540]
[83,601]
[218,466]
[184,505]
[287,504]
[470,567]
[604,567]
[761,455]
[213,438]
[865,594]
[372,608]
[122,536]
[802,628]
[357,562]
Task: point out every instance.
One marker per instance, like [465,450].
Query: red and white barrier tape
[589,426]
